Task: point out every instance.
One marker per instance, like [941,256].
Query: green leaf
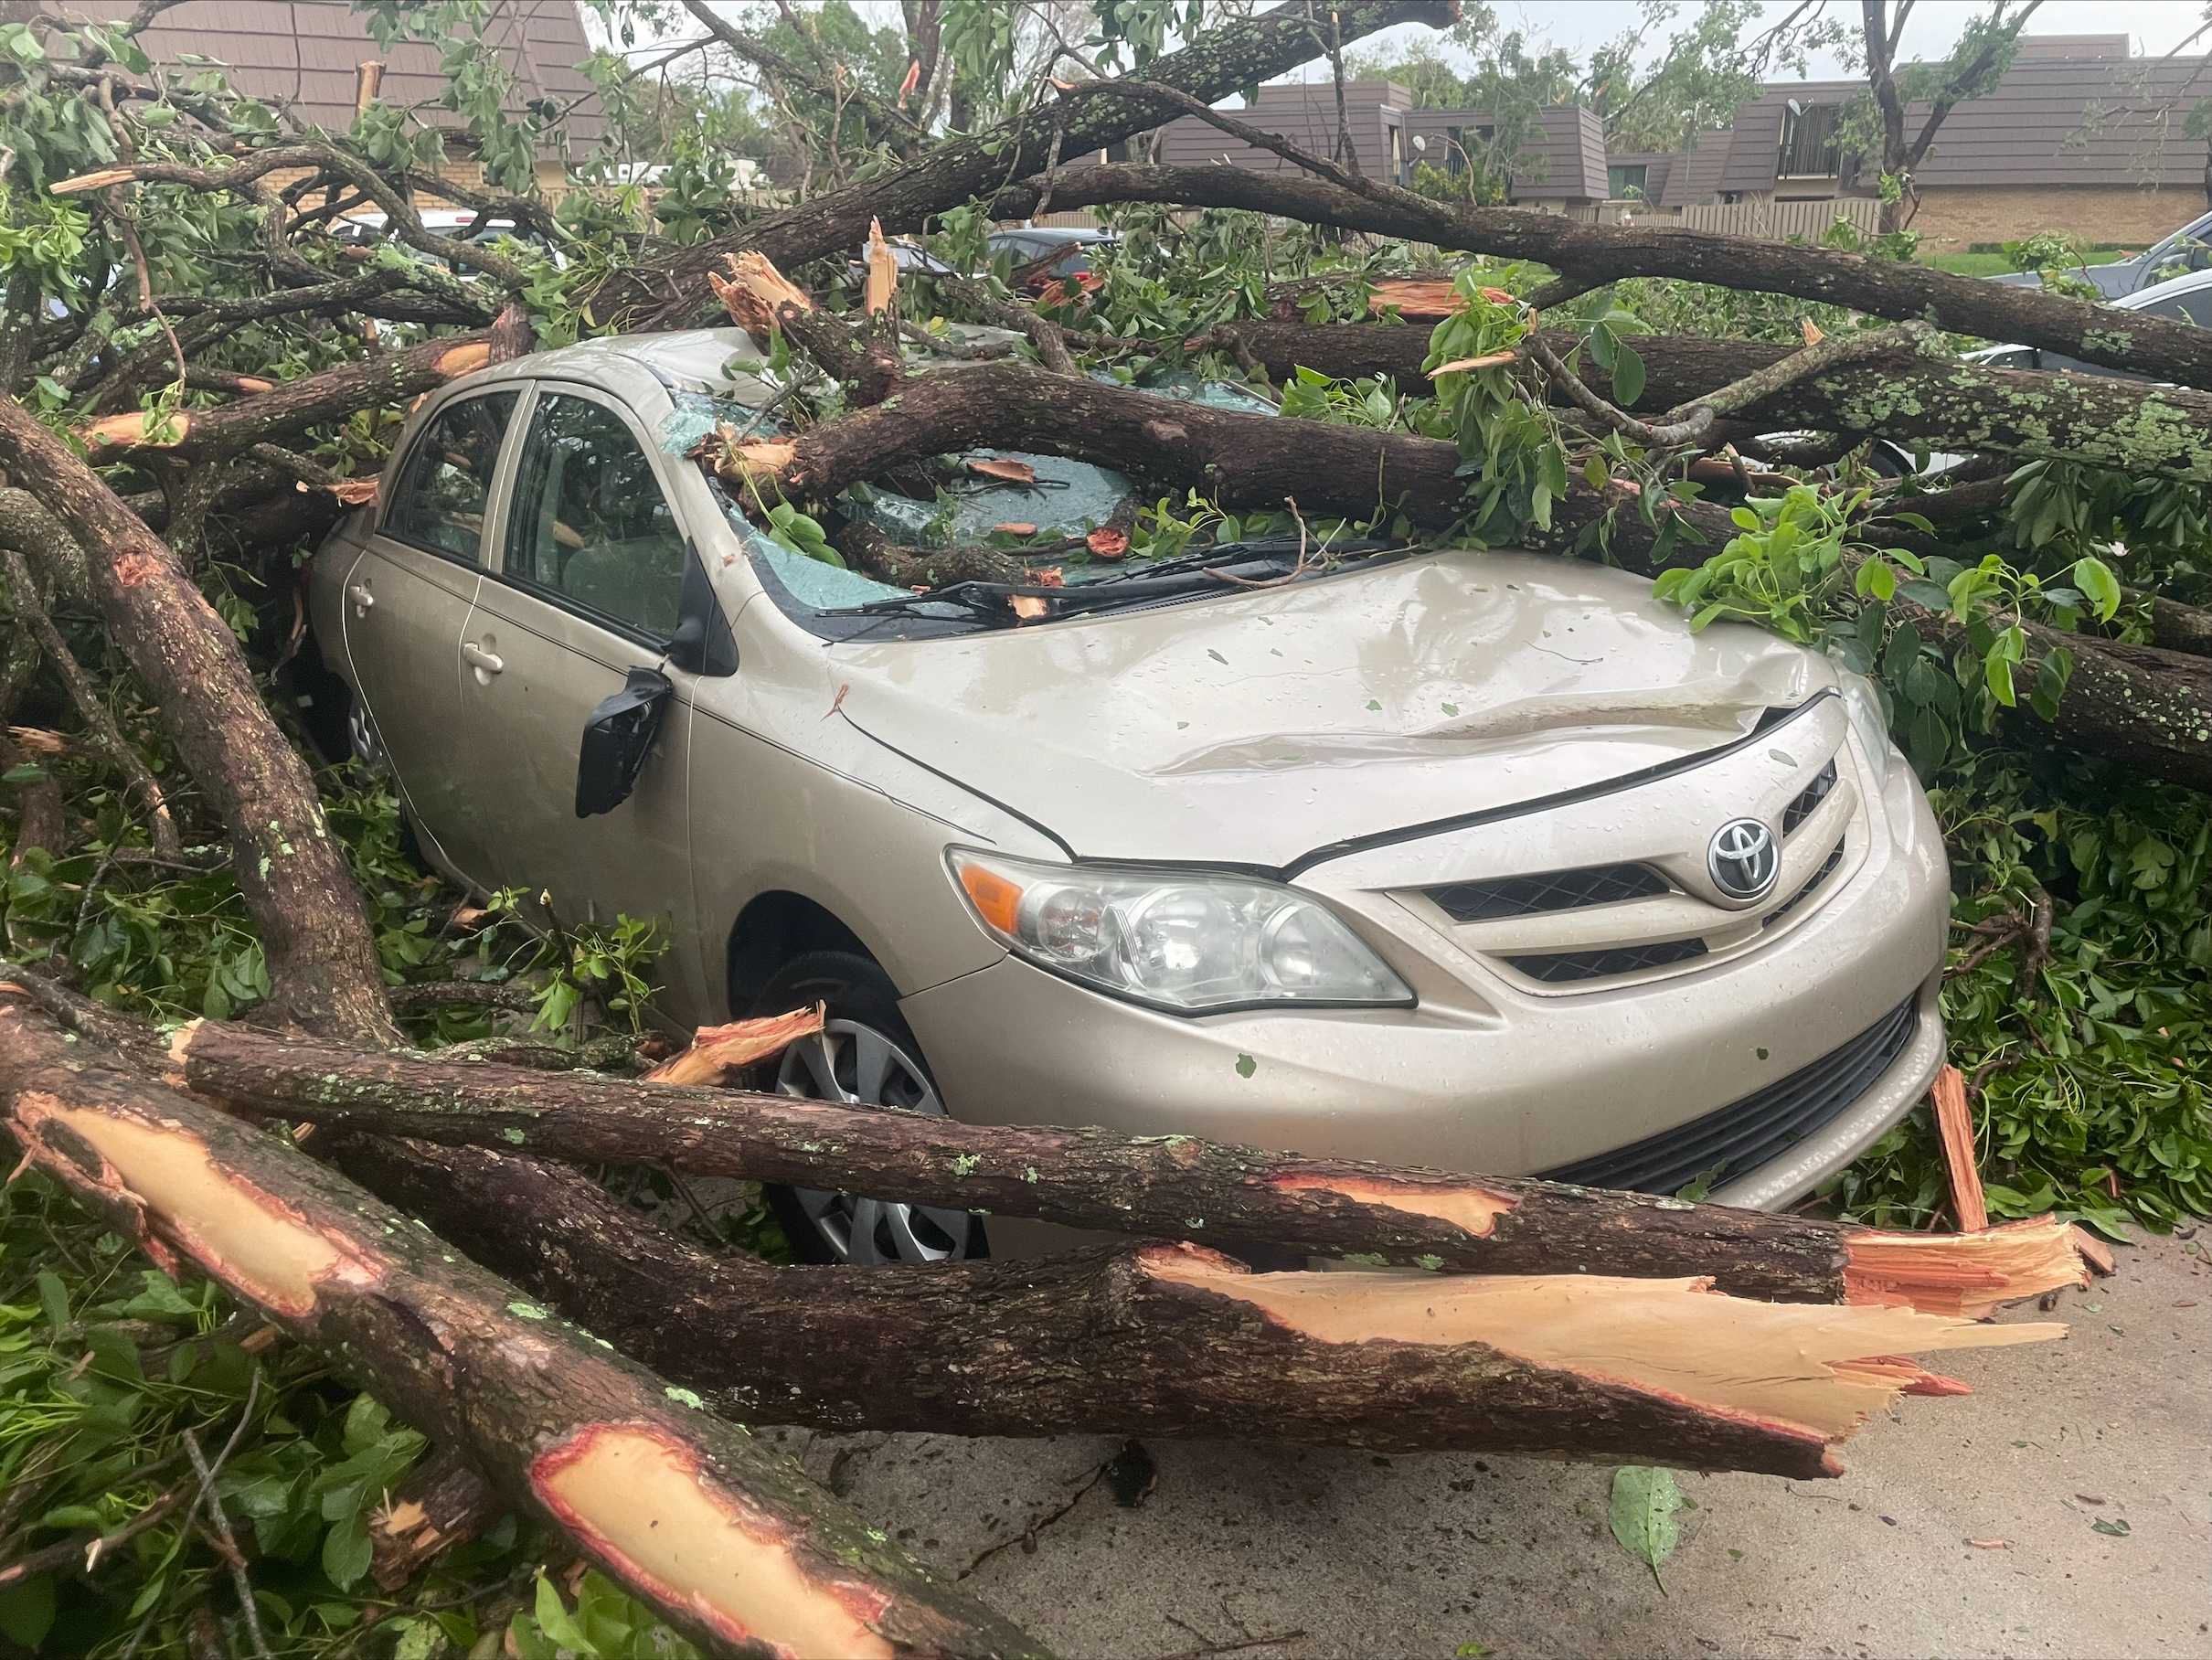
[2095,579]
[1998,672]
[347,1551]
[26,772]
[27,1610]
[2113,1527]
[1643,1516]
[1628,377]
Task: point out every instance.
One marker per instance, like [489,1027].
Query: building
[2020,160]
[1562,170]
[306,54]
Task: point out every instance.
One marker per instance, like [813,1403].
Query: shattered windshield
[997,498]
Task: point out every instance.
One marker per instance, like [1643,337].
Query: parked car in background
[2187,249]
[1475,859]
[367,229]
[1048,254]
[2183,299]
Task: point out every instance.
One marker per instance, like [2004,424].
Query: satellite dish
[1420,142]
[1796,108]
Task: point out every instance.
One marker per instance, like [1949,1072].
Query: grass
[1996,264]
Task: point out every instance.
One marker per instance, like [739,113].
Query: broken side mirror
[617,739]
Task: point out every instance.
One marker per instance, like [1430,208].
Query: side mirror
[617,739]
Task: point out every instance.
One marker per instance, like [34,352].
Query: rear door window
[590,528]
[444,489]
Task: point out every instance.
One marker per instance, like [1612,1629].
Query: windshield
[1050,501]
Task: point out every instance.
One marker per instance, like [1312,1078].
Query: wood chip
[882,286]
[1018,527]
[1011,471]
[1991,1544]
[1107,543]
[1810,331]
[1028,607]
[2095,1252]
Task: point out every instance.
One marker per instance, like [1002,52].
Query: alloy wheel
[860,1065]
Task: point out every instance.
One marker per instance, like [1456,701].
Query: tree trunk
[1175,1339]
[728,1542]
[291,870]
[1166,1186]
[671,291]
[1591,255]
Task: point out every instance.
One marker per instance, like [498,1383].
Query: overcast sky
[2153,25]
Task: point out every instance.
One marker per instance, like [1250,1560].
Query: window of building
[1625,182]
[1811,146]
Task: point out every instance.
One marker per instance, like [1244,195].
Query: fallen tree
[1170,1187]
[1177,1339]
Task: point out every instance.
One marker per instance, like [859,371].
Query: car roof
[1053,233]
[2173,288]
[714,361]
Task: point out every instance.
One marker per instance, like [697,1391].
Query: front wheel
[864,1056]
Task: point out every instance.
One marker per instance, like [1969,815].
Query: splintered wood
[717,1052]
[1955,1125]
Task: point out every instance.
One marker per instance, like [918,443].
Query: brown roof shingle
[304,51]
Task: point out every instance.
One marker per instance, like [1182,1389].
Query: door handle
[363,601]
[479,659]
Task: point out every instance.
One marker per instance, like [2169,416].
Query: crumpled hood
[1260,726]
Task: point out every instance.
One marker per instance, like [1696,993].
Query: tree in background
[1976,63]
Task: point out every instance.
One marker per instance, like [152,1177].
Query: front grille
[1826,870]
[1557,966]
[1801,806]
[1521,896]
[1747,1133]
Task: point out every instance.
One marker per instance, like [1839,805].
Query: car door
[406,602]
[588,585]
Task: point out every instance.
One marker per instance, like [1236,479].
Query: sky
[2153,25]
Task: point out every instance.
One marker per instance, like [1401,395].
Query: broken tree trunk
[1167,1187]
[1175,1339]
[729,1543]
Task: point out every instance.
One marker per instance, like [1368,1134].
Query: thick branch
[728,1542]
[1171,1187]
[290,869]
[1172,1339]
[1594,254]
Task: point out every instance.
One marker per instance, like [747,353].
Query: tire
[864,1029]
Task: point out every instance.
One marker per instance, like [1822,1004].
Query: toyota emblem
[1743,859]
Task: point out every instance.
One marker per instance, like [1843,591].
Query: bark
[672,291]
[1169,1186]
[1238,460]
[2136,427]
[197,436]
[441,1503]
[1593,255]
[290,871]
[1174,1339]
[598,1447]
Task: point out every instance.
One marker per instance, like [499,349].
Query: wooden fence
[1776,222]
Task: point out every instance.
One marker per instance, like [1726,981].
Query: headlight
[1187,942]
[1863,703]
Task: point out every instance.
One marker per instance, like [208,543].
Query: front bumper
[1487,1077]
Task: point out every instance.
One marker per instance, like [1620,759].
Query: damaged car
[1473,859]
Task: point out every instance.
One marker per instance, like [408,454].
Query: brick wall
[1953,219]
